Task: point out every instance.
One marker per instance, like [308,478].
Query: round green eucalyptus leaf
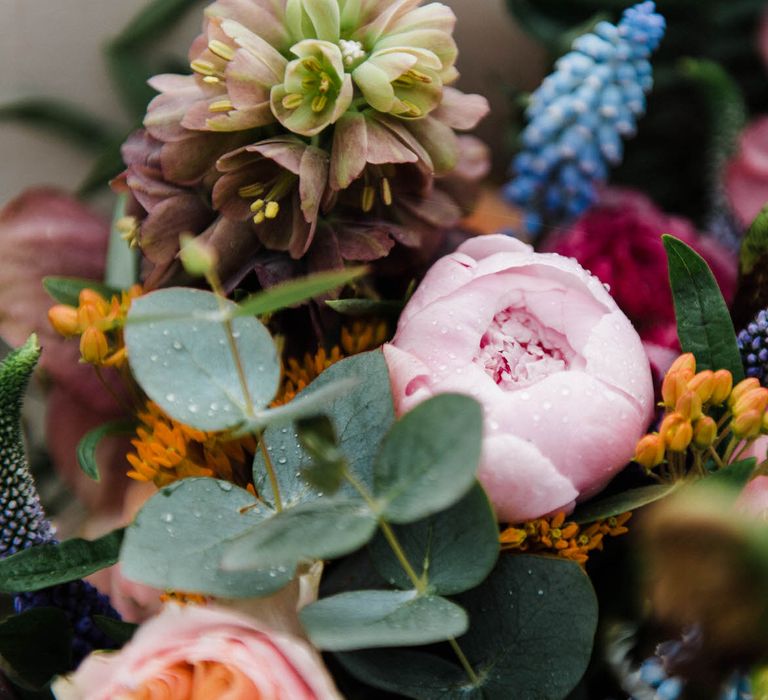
[182,358]
[177,539]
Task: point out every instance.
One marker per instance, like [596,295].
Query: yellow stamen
[325,83]
[386,192]
[319,102]
[258,218]
[312,64]
[369,196]
[293,100]
[203,67]
[257,205]
[220,49]
[252,190]
[271,210]
[418,75]
[211,80]
[221,106]
[411,109]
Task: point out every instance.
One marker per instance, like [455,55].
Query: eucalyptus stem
[418,583]
[271,474]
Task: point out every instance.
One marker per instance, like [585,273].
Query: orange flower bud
[649,452]
[753,400]
[676,431]
[723,386]
[64,319]
[689,406]
[674,384]
[742,388]
[93,346]
[686,361]
[88,315]
[91,296]
[704,432]
[748,424]
[703,384]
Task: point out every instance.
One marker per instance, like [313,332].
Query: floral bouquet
[335,439]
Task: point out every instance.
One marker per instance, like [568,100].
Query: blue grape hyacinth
[753,346]
[23,522]
[579,114]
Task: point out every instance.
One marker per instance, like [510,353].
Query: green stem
[464,661]
[716,457]
[389,533]
[271,474]
[729,450]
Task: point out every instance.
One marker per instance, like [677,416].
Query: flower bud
[742,388]
[675,383]
[93,346]
[91,296]
[676,431]
[64,319]
[649,452]
[703,384]
[197,258]
[686,362]
[723,386]
[88,314]
[689,406]
[704,432]
[753,400]
[747,425]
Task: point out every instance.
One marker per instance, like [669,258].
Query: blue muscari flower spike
[22,518]
[753,346]
[579,114]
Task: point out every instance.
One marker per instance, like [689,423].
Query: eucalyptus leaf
[323,529]
[185,364]
[318,438]
[369,619]
[50,564]
[429,459]
[122,269]
[66,290]
[86,448]
[360,417]
[631,499]
[177,539]
[36,645]
[296,291]
[451,551]
[704,324]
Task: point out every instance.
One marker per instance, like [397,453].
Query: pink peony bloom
[746,174]
[203,652]
[619,240]
[560,372]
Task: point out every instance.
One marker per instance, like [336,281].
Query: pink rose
[202,652]
[746,174]
[754,498]
[560,372]
[619,240]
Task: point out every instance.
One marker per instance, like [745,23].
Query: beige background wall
[52,47]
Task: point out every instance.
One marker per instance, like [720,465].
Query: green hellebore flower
[316,90]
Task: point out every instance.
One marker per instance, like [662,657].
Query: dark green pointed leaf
[368,619]
[323,529]
[50,564]
[36,645]
[184,363]
[86,448]
[66,290]
[296,291]
[733,477]
[704,324]
[451,551]
[429,459]
[178,537]
[117,630]
[360,417]
[318,438]
[755,243]
[366,307]
[622,502]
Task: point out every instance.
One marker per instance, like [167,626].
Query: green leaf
[117,630]
[296,291]
[733,477]
[108,164]
[66,290]
[755,243]
[36,645]
[429,459]
[704,324]
[151,22]
[361,418]
[451,551]
[184,363]
[323,529]
[86,448]
[122,260]
[65,120]
[50,564]
[366,307]
[318,438]
[178,537]
[622,502]
[368,619]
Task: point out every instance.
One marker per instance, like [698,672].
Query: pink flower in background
[746,174]
[619,240]
[203,652]
[560,371]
